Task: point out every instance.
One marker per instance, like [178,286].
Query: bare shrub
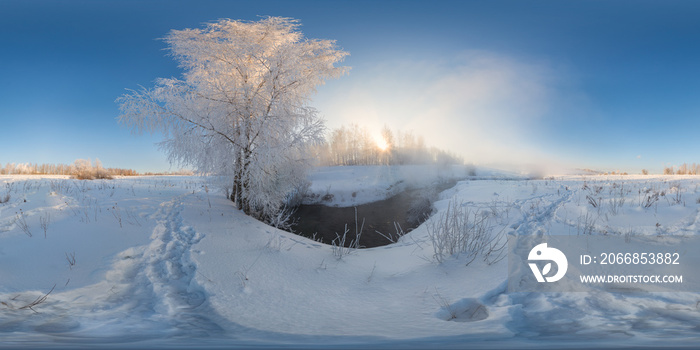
[593,202]
[339,243]
[117,213]
[283,219]
[71,260]
[59,187]
[44,221]
[677,197]
[460,230]
[38,301]
[445,304]
[650,199]
[585,224]
[628,235]
[617,201]
[21,221]
[393,238]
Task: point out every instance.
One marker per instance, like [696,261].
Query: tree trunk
[237,194]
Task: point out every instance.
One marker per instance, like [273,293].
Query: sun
[382,145]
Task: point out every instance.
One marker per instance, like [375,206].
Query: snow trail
[149,293]
[170,271]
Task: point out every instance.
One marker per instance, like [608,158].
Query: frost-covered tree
[241,108]
[84,170]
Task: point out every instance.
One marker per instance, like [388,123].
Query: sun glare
[381,143]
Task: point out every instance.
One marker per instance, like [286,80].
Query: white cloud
[484,106]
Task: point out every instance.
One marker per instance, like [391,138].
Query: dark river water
[407,209]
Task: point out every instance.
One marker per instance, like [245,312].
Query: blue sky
[611,85]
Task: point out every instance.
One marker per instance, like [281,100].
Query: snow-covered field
[168,262]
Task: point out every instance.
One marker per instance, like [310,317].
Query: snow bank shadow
[604,316]
[465,310]
[62,324]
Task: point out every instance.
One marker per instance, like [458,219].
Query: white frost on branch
[241,108]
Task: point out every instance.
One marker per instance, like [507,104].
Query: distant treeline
[355,145]
[61,169]
[683,169]
[81,169]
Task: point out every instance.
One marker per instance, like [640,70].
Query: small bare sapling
[44,221]
[21,221]
[71,259]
